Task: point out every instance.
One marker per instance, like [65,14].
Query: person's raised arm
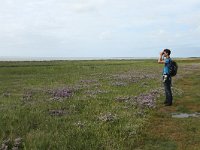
[160,59]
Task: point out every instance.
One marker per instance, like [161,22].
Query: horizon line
[19,58]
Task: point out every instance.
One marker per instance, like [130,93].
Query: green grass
[91,118]
[177,133]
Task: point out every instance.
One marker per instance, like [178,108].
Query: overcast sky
[99,28]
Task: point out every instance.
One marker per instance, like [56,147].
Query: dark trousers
[167,80]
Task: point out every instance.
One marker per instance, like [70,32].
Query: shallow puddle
[185,115]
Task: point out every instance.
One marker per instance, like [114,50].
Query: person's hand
[161,53]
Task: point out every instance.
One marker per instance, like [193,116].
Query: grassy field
[107,104]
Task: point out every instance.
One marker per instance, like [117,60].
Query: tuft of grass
[182,109]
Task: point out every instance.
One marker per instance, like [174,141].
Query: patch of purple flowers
[62,93]
[107,117]
[143,100]
[14,145]
[148,99]
[131,77]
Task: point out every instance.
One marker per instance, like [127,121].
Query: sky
[99,28]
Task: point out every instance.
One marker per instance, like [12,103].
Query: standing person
[167,80]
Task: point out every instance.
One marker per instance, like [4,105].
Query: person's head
[166,52]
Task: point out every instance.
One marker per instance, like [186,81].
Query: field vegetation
[100,104]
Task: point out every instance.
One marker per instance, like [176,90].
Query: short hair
[167,51]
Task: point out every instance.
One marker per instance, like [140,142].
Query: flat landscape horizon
[8,58]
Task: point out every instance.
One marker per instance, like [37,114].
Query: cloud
[86,6]
[92,27]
